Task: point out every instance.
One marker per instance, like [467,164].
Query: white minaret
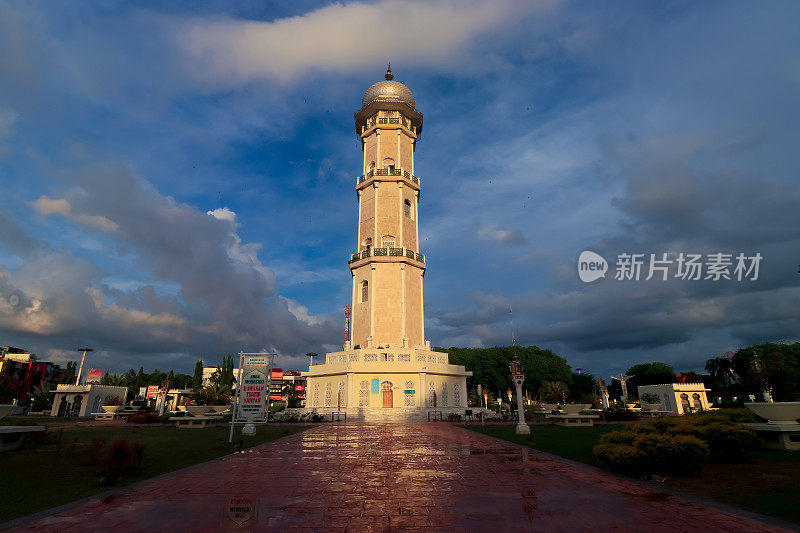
[388,267]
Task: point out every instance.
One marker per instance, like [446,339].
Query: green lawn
[572,443]
[50,479]
[766,484]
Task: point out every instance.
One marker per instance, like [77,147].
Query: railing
[387,252]
[385,120]
[387,172]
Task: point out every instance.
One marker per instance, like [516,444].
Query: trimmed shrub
[728,440]
[637,452]
[123,459]
[454,417]
[143,418]
[619,415]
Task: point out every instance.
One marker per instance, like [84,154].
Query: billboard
[93,375]
[252,396]
[152,391]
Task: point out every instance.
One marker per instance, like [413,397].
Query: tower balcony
[386,255]
[385,174]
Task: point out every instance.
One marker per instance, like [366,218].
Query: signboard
[376,385]
[408,391]
[142,393]
[152,392]
[254,387]
[299,387]
[93,375]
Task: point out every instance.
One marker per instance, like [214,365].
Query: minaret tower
[388,267]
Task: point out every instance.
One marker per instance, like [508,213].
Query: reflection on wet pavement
[362,477]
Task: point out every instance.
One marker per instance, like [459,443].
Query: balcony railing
[388,120]
[387,172]
[387,252]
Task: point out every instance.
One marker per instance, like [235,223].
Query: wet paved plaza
[412,477]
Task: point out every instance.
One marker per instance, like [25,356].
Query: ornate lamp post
[517,376]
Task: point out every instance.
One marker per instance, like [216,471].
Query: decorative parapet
[386,360]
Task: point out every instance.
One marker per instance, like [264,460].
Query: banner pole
[235,406]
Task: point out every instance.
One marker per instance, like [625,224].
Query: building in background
[22,372]
[679,398]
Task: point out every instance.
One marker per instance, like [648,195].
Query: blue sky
[177,180]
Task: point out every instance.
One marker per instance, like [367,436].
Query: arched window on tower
[407,209]
[388,163]
[365,291]
[388,241]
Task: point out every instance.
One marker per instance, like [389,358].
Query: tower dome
[388,90]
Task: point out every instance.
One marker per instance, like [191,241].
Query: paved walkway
[413,477]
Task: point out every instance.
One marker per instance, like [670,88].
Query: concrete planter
[651,406]
[777,413]
[112,408]
[218,409]
[198,410]
[575,408]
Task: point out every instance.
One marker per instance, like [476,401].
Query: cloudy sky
[177,180]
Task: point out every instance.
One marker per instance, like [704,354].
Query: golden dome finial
[389,76]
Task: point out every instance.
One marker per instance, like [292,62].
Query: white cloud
[51,206]
[223,213]
[339,38]
[507,237]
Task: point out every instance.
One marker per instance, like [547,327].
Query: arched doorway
[62,406]
[386,393]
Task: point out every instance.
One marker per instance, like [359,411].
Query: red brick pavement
[373,477]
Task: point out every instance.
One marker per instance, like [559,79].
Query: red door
[386,391]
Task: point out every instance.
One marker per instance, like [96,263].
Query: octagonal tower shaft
[388,268]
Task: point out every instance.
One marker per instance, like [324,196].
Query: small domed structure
[388,90]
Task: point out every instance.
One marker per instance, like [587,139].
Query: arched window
[407,209]
[316,395]
[342,399]
[456,395]
[388,162]
[444,395]
[698,404]
[431,394]
[387,241]
[328,395]
[365,291]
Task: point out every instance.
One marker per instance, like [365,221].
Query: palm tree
[553,391]
[41,397]
[216,394]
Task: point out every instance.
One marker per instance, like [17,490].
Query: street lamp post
[80,370]
[517,376]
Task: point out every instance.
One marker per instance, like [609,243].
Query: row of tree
[751,370]
[548,377]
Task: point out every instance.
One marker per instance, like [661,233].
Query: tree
[197,379]
[68,376]
[490,366]
[648,374]
[583,388]
[215,394]
[223,375]
[41,397]
[553,391]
